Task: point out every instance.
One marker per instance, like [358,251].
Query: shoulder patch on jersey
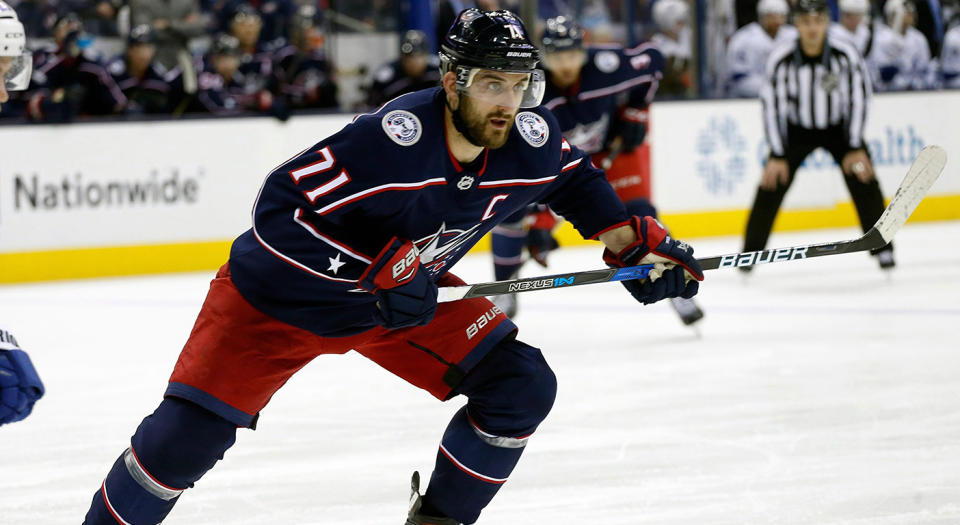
[402,127]
[607,61]
[532,128]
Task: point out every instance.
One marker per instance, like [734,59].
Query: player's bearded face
[489,124]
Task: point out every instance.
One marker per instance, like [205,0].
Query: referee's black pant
[867,197]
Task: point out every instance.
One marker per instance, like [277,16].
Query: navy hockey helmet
[491,40]
[414,42]
[561,34]
[810,6]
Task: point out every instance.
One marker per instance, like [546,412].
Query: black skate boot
[885,259]
[688,310]
[507,304]
[415,517]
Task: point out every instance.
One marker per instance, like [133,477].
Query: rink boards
[89,200]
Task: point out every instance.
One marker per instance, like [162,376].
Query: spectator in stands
[854,25]
[148,87]
[224,90]
[305,76]
[416,69]
[751,45]
[900,57]
[675,40]
[66,83]
[175,23]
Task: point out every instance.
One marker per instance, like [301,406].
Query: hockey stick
[922,174]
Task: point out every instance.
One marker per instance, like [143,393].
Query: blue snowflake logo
[722,163]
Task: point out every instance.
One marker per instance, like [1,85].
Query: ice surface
[819,392]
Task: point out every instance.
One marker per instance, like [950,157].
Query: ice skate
[507,304]
[416,501]
[885,260]
[688,310]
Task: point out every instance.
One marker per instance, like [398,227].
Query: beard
[480,131]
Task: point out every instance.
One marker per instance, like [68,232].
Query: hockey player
[20,386]
[223,89]
[305,74]
[67,83]
[350,240]
[950,59]
[751,45]
[15,62]
[675,40]
[900,58]
[600,97]
[416,69]
[854,25]
[148,87]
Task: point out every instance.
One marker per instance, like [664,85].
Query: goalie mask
[15,62]
[493,41]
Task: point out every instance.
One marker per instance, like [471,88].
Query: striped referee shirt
[815,93]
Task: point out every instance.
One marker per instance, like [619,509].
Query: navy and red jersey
[156,91]
[87,87]
[611,79]
[306,78]
[321,217]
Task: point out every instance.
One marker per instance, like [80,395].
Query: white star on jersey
[335,264]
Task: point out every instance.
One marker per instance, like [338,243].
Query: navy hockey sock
[507,242]
[171,449]
[510,392]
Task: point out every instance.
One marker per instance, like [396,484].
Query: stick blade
[922,174]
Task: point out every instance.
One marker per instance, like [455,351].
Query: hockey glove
[633,128]
[406,296]
[20,386]
[540,239]
[540,243]
[675,274]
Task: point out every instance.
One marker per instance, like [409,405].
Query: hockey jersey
[900,62]
[861,38]
[322,217]
[950,59]
[610,78]
[747,57]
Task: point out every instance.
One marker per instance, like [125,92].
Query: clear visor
[16,74]
[503,88]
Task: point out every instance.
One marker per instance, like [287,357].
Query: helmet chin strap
[461,124]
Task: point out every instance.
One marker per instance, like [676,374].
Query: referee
[816,95]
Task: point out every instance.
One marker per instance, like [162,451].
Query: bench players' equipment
[922,174]
[406,295]
[416,501]
[655,246]
[12,44]
[20,386]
